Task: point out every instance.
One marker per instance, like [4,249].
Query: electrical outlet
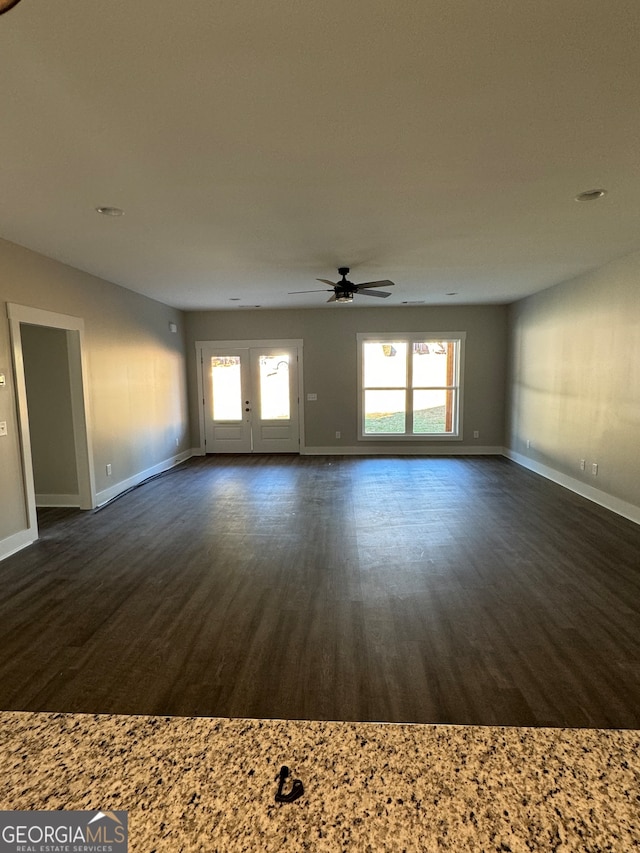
[177,442]
[583,464]
[476,433]
[594,469]
[338,434]
[528,443]
[3,427]
[109,469]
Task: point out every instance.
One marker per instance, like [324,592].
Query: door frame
[74,327]
[291,343]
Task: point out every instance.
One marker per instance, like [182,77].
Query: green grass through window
[426,421]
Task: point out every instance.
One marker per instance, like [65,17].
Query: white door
[250,399]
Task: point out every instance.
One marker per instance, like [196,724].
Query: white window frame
[410,338]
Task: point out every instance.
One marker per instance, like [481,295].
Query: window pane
[274,388]
[433,411]
[226,388]
[384,412]
[385,364]
[433,363]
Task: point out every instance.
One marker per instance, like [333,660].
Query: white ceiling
[257,144]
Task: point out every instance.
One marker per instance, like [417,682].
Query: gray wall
[46,368]
[136,372]
[574,378]
[330,371]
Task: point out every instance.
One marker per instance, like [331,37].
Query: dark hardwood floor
[450,590]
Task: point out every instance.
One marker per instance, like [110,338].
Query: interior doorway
[250,396]
[45,356]
[67,335]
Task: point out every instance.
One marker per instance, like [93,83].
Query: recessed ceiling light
[105,210]
[452,293]
[590,195]
[234,299]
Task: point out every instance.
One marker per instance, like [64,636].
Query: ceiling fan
[344,291]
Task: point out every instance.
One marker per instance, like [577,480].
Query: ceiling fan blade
[383,294]
[385,283]
[332,298]
[291,292]
[326,281]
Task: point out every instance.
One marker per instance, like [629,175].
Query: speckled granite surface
[209,784]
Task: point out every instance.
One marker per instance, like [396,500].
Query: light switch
[312,396]
[3,427]
[3,380]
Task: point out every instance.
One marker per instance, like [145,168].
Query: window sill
[402,438]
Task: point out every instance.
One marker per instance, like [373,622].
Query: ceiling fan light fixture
[345,296]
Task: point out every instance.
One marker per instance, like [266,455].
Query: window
[410,385]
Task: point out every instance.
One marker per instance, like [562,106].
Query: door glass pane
[226,388]
[384,412]
[433,411]
[385,364]
[432,363]
[274,388]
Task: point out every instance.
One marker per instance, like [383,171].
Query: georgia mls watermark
[63,832]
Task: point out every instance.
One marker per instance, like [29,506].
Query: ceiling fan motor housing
[344,289]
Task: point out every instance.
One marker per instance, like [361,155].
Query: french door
[250,396]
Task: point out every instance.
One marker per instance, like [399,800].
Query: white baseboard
[113,491]
[198,451]
[376,450]
[16,542]
[620,507]
[58,500]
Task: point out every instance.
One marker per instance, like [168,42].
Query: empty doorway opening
[52,395]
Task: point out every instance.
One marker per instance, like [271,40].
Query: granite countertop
[201,784]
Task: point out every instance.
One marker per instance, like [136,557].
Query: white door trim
[74,326]
[296,343]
